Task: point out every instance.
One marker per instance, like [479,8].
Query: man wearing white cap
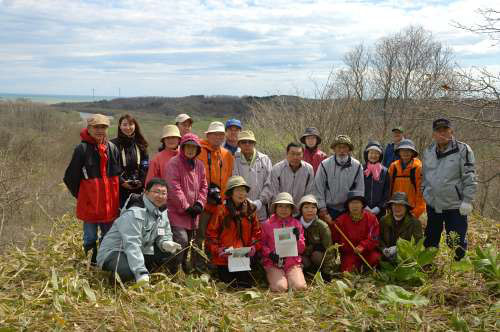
[184,122]
[96,192]
[218,164]
[255,167]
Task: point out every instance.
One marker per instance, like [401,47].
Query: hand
[197,208]
[258,204]
[390,251]
[376,210]
[170,246]
[423,219]
[275,258]
[367,208]
[296,232]
[222,252]
[325,216]
[143,280]
[465,208]
[252,252]
[359,249]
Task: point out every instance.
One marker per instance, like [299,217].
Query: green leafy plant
[412,257]
[401,301]
[487,262]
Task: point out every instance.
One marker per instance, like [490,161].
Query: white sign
[285,242]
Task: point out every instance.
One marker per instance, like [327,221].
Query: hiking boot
[93,258]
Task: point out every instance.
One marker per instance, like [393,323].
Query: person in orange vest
[406,176]
[218,164]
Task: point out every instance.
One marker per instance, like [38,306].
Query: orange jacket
[220,170]
[222,233]
[408,181]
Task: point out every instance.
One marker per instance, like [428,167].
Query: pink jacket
[186,185]
[314,157]
[157,167]
[268,245]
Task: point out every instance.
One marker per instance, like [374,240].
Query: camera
[214,196]
[133,180]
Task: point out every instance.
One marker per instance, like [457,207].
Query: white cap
[182,117]
[375,148]
[216,127]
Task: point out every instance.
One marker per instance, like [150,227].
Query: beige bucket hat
[216,127]
[170,131]
[246,135]
[98,119]
[182,117]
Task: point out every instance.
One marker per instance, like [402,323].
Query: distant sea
[53,99]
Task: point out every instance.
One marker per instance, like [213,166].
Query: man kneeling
[140,238]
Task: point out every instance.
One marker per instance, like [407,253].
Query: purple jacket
[268,245]
[186,185]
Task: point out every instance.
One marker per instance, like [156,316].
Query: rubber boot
[93,258]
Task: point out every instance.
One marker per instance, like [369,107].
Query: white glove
[143,279]
[390,252]
[376,210]
[423,219]
[171,246]
[465,208]
[257,203]
[368,209]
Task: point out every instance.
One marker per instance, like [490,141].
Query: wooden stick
[353,248]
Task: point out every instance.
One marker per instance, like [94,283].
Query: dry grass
[50,286]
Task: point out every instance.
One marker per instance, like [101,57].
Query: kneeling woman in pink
[282,272]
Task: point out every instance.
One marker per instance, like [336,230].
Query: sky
[208,47]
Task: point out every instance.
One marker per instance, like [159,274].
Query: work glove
[258,204]
[390,251]
[465,208]
[252,252]
[222,252]
[275,258]
[423,219]
[296,232]
[376,210]
[194,210]
[171,246]
[143,280]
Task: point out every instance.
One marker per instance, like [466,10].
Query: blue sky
[178,48]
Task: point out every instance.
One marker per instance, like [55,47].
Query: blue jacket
[377,192]
[389,155]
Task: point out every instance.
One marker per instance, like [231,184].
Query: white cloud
[207,47]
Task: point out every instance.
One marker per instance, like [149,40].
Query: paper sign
[237,264]
[285,242]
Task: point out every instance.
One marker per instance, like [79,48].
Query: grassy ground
[49,285]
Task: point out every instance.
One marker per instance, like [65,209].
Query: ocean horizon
[53,99]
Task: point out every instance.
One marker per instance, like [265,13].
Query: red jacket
[92,177]
[157,167]
[222,232]
[187,185]
[314,157]
[364,232]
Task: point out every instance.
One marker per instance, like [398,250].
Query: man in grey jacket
[140,238]
[336,176]
[291,175]
[449,186]
[254,167]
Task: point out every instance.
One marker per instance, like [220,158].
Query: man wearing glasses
[140,240]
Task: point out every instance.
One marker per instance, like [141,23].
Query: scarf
[374,170]
[305,223]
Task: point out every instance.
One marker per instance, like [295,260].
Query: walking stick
[353,248]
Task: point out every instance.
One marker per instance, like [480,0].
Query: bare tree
[490,24]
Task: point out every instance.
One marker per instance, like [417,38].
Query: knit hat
[236,181]
[98,119]
[170,131]
[311,131]
[342,139]
[374,145]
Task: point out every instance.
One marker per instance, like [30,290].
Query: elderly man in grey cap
[449,185]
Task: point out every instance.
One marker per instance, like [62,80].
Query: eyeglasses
[246,142]
[159,193]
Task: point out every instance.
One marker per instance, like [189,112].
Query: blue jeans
[90,233]
[453,222]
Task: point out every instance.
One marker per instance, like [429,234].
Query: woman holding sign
[282,244]
[234,235]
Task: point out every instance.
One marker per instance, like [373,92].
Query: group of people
[213,195]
